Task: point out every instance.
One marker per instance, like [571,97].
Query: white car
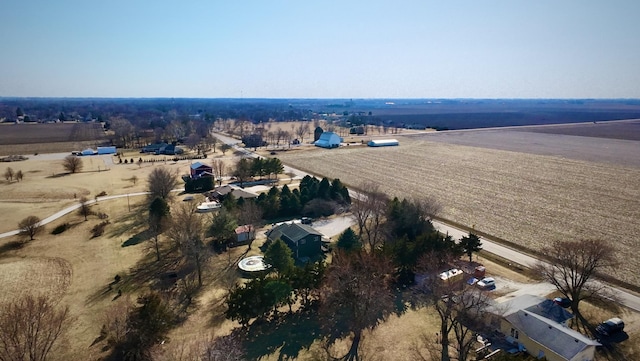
[487,283]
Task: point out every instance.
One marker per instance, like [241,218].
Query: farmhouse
[538,326]
[383,142]
[198,170]
[304,241]
[236,191]
[328,140]
[169,149]
[152,148]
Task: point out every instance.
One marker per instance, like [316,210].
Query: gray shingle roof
[557,338]
[535,304]
[293,232]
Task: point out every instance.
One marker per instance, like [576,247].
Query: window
[514,333]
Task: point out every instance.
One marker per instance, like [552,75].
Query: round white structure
[252,264]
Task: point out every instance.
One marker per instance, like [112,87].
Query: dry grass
[38,275]
[46,189]
[527,199]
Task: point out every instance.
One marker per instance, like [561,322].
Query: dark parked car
[610,327]
[306,220]
[562,302]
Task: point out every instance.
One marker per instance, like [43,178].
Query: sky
[320,49]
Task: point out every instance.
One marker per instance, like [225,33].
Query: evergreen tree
[470,244]
[280,257]
[324,189]
[349,241]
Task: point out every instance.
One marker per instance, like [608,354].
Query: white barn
[329,140]
[383,142]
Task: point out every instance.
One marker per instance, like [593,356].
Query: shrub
[61,228]
[102,215]
[98,229]
[101,194]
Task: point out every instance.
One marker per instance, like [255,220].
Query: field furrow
[524,198]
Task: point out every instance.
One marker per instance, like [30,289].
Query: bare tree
[8,174]
[116,322]
[214,142]
[249,213]
[84,209]
[356,296]
[30,328]
[123,130]
[302,131]
[134,179]
[224,148]
[19,175]
[161,182]
[193,141]
[30,226]
[369,211]
[72,163]
[218,166]
[158,213]
[187,230]
[460,307]
[573,266]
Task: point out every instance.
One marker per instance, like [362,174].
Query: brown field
[49,138]
[527,199]
[43,133]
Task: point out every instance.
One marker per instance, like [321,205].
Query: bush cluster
[98,229]
[163,159]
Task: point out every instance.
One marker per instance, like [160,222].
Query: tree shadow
[146,271]
[58,175]
[136,239]
[10,246]
[281,335]
[129,221]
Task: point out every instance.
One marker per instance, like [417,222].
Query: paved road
[622,296]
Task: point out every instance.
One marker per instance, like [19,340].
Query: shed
[106,150]
[328,140]
[245,234]
[383,142]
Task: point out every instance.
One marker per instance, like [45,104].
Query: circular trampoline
[252,264]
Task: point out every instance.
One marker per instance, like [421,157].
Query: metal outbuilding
[383,142]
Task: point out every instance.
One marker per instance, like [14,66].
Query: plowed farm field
[527,199]
[48,138]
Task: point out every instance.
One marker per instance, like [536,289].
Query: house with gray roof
[304,241]
[538,325]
